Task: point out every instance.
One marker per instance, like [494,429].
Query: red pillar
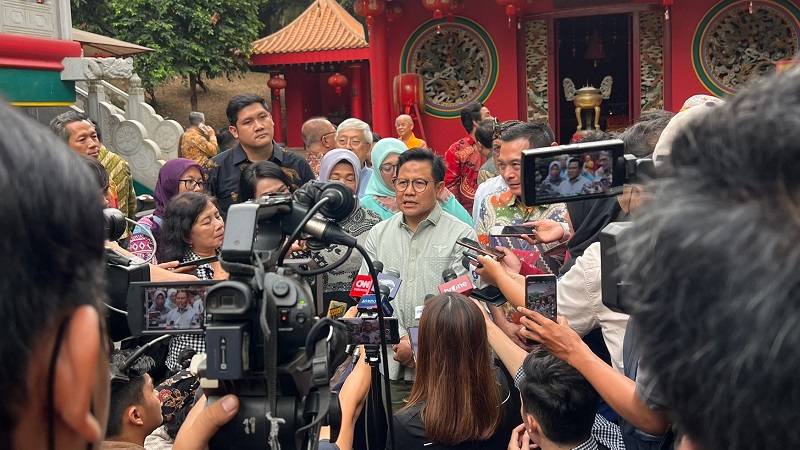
[276,113]
[355,98]
[379,75]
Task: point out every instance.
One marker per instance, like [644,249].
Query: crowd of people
[699,359]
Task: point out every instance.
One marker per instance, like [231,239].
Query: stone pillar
[97,94]
[133,111]
[355,98]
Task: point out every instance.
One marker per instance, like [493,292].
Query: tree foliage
[191,39]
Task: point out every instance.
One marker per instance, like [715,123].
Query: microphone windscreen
[378,266]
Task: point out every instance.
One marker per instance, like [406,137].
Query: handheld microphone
[454,283]
[390,279]
[361,286]
[388,310]
[369,305]
[378,266]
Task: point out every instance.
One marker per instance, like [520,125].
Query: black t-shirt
[224,170]
[410,431]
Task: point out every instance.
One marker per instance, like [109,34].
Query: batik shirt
[195,145]
[506,209]
[463,162]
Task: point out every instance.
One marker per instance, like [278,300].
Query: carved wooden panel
[536,69]
[651,66]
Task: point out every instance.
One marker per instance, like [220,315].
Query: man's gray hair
[59,123]
[196,118]
[355,124]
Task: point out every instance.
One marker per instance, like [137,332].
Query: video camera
[264,341]
[611,169]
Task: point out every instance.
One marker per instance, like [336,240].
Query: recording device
[391,279]
[480,248]
[614,288]
[151,310]
[591,169]
[472,260]
[121,271]
[511,231]
[454,283]
[364,330]
[540,294]
[489,294]
[198,262]
[413,339]
[261,326]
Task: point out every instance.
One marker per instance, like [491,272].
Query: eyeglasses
[388,168]
[190,184]
[325,136]
[501,127]
[420,186]
[343,142]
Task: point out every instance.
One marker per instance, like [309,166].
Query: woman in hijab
[380,195]
[343,165]
[549,186]
[177,176]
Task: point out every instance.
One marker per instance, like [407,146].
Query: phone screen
[362,330]
[540,295]
[174,307]
[480,248]
[413,336]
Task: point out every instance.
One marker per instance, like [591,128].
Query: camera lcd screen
[174,307]
[362,330]
[569,172]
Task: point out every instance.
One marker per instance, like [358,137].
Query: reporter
[262,178]
[459,399]
[176,176]
[192,229]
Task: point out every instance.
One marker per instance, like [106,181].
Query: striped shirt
[120,172]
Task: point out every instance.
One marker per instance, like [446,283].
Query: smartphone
[511,231]
[363,330]
[480,248]
[198,262]
[489,294]
[413,337]
[167,308]
[473,259]
[540,294]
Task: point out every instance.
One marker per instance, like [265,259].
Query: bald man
[405,130]
[319,136]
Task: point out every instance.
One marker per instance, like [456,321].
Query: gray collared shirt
[420,257]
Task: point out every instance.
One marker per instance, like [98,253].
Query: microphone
[361,286]
[428,297]
[369,305]
[454,283]
[390,279]
[378,266]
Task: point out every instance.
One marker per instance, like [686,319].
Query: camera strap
[271,370]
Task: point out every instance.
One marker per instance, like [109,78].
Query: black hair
[240,102]
[597,136]
[52,242]
[423,154]
[471,114]
[125,394]
[537,134]
[716,281]
[59,123]
[179,217]
[576,160]
[641,137]
[558,397]
[376,137]
[225,139]
[258,171]
[98,170]
[485,132]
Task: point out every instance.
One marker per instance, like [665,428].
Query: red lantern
[513,8]
[408,91]
[439,7]
[393,11]
[276,83]
[369,9]
[337,81]
[667,4]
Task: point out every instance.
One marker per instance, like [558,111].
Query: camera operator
[716,281]
[55,371]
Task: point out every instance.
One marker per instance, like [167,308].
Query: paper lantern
[439,7]
[337,81]
[408,91]
[369,9]
[276,83]
[393,11]
[513,7]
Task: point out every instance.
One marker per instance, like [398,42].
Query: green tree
[93,16]
[192,39]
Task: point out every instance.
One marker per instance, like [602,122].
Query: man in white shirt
[575,183]
[181,317]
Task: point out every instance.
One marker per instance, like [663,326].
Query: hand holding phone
[511,231]
[198,262]
[480,248]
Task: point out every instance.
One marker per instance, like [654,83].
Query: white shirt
[181,319]
[568,188]
[491,186]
